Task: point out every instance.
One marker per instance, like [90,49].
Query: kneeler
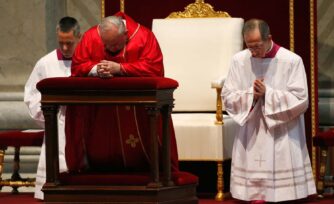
[153,186]
[323,140]
[18,139]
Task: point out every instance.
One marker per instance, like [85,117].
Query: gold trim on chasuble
[120,136]
[132,140]
[138,132]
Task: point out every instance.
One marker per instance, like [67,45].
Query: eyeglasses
[255,46]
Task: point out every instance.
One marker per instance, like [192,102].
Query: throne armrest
[218,85]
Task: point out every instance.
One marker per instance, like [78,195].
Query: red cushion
[325,138]
[179,178]
[116,83]
[19,138]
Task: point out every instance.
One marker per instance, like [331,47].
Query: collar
[60,56]
[272,51]
[131,25]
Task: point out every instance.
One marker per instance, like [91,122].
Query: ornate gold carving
[25,183]
[220,182]
[312,71]
[219,111]
[102,9]
[2,155]
[132,141]
[312,55]
[314,164]
[313,85]
[320,185]
[292,25]
[122,5]
[13,182]
[199,9]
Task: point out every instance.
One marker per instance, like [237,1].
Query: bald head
[256,24]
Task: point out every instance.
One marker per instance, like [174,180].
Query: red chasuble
[114,138]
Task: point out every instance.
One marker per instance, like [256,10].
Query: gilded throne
[197,46]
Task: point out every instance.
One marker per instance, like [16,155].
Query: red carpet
[27,198]
[21,198]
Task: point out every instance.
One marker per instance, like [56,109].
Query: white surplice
[270,160]
[48,66]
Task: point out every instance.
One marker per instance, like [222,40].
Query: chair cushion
[96,178]
[208,141]
[325,138]
[116,83]
[18,138]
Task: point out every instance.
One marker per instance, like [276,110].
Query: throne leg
[220,182]
[16,167]
[322,171]
[2,155]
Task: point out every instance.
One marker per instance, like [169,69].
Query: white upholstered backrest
[196,52]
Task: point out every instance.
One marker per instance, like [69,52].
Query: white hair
[115,20]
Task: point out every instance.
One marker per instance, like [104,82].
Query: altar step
[121,194]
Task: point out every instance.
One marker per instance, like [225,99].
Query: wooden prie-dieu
[156,94]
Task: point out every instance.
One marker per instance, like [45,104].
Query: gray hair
[67,24]
[253,24]
[115,20]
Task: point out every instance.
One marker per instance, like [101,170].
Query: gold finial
[102,9]
[122,5]
[199,9]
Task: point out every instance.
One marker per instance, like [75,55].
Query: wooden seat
[17,139]
[323,140]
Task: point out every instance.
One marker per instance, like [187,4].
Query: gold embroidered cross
[260,160]
[132,141]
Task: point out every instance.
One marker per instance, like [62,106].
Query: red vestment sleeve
[84,58]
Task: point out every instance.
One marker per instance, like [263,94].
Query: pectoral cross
[260,160]
[132,141]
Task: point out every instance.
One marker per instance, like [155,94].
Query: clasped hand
[107,69]
[259,89]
